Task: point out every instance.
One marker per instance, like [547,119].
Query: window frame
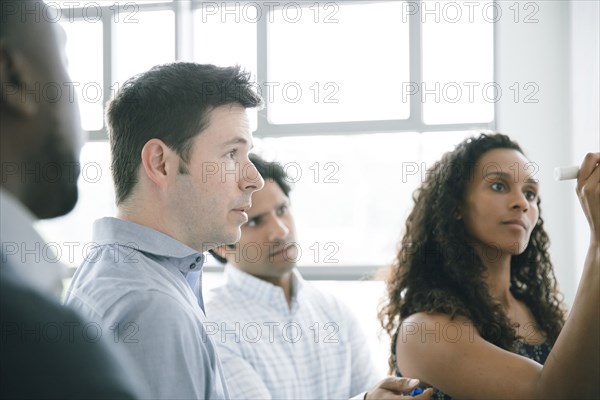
[184,45]
[184,9]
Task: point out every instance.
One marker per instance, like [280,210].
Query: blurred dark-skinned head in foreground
[45,352]
[39,121]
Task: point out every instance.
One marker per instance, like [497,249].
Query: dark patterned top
[536,352]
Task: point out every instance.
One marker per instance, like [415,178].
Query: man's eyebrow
[238,140]
[285,202]
[508,176]
[497,173]
[257,216]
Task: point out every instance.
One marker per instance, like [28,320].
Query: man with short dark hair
[45,352]
[278,336]
[180,138]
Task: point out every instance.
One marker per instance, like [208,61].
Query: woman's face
[500,208]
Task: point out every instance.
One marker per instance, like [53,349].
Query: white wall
[585,95]
[558,54]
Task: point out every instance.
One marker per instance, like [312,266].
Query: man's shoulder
[114,267]
[50,345]
[130,298]
[113,277]
[17,295]
[318,296]
[108,254]
[327,304]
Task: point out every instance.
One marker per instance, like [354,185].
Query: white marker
[565,173]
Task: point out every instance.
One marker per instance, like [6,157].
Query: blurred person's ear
[18,87]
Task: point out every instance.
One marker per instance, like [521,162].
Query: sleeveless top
[536,352]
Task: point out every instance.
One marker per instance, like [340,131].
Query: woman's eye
[231,154]
[281,210]
[530,195]
[498,186]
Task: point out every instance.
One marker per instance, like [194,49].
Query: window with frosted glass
[351,195]
[141,41]
[335,61]
[227,38]
[84,57]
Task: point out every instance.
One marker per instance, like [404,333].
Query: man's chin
[272,273]
[224,239]
[234,237]
[283,269]
[52,191]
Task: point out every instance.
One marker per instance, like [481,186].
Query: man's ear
[158,161]
[20,92]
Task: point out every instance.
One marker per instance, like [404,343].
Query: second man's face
[268,247]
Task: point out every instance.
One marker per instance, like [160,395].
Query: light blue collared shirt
[133,286]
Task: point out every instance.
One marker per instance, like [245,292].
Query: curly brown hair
[436,270]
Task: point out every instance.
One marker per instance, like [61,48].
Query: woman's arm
[577,350]
[450,354]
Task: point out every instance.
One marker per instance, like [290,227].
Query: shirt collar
[114,231]
[260,290]
[23,249]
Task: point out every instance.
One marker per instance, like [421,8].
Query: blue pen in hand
[416,391]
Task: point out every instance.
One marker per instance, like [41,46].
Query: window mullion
[361,127]
[492,125]
[415,69]
[262,66]
[184,39]
[107,69]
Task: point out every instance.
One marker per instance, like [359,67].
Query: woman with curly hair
[473,306]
